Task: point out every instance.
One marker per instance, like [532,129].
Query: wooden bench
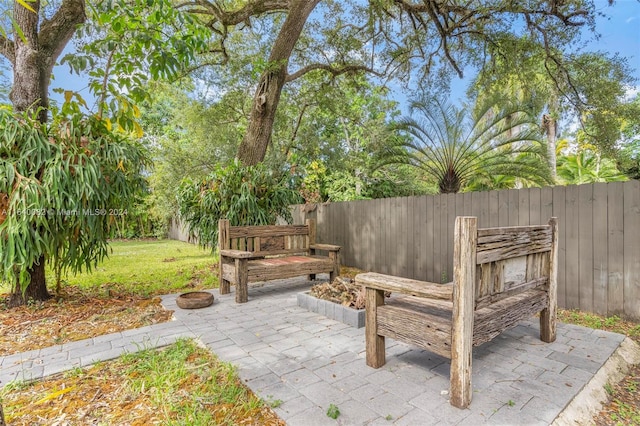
[261,253]
[500,277]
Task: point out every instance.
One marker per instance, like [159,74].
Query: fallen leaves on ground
[75,316]
[624,406]
[110,393]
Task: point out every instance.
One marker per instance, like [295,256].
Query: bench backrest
[509,260]
[268,240]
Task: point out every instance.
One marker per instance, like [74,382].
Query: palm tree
[498,138]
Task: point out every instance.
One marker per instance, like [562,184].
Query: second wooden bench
[262,253]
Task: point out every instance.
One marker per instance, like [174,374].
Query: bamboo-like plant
[454,146]
[62,186]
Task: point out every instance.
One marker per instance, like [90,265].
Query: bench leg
[225,285]
[242,281]
[333,255]
[374,342]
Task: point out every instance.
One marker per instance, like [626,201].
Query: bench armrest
[406,286]
[327,247]
[237,254]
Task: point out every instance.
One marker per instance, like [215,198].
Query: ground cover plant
[180,384]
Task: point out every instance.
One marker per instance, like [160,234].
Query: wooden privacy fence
[598,226]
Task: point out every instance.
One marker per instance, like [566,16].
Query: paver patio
[308,362]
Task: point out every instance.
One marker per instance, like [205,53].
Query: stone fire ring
[194,300]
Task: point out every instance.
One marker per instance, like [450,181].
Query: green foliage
[333,411]
[61,189]
[127,44]
[587,166]
[245,195]
[451,148]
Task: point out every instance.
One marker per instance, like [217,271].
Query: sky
[619,29]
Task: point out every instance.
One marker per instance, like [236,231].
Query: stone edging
[334,311]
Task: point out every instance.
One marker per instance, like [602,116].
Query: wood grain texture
[464,277]
[375,350]
[405,285]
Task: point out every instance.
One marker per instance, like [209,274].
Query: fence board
[559,211]
[430,239]
[535,208]
[572,260]
[585,246]
[494,209]
[600,252]
[632,249]
[523,208]
[546,205]
[514,207]
[437,242]
[615,246]
[599,246]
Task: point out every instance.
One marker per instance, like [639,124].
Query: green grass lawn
[147,267]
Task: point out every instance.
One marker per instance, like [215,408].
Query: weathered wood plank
[464,276]
[415,327]
[375,349]
[402,285]
[615,246]
[513,290]
[242,291]
[267,231]
[548,316]
[506,313]
[502,246]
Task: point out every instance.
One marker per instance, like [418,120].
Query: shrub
[245,195]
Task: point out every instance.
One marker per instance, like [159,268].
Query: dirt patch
[74,316]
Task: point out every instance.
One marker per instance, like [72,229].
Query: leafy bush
[245,195]
[62,187]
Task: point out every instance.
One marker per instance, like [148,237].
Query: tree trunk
[33,55]
[254,145]
[550,127]
[37,288]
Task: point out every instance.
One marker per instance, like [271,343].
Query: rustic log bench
[261,253]
[500,277]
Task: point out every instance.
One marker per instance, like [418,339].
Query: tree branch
[7,49]
[234,17]
[332,70]
[56,32]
